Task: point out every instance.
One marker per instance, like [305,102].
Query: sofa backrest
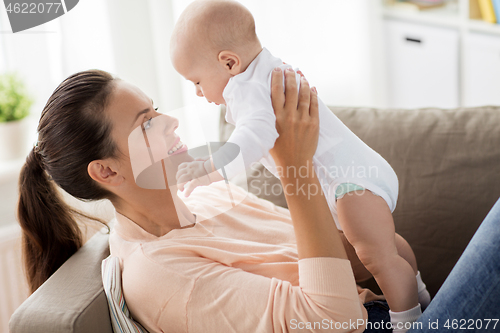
[448,164]
[72,299]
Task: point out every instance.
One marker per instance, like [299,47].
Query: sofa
[447,162]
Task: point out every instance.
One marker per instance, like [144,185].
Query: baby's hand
[191,175]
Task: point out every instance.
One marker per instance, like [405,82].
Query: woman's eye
[147,123]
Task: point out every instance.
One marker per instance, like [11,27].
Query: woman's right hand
[297,120]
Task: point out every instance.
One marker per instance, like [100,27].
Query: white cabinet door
[422,64]
[482,70]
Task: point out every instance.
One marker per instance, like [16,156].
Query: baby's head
[213,41]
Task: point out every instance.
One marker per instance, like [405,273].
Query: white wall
[334,42]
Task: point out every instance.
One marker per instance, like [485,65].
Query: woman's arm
[297,122]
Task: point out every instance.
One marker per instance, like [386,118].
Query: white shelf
[446,16]
[449,16]
[482,26]
[425,18]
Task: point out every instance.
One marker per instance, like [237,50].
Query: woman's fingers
[304,97]
[277,94]
[290,90]
[314,108]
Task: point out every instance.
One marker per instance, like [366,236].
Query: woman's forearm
[315,230]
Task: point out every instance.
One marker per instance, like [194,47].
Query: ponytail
[73,131]
[50,233]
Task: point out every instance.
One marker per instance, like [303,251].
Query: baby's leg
[405,251]
[361,273]
[368,225]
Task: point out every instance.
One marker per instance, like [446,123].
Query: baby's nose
[199,93]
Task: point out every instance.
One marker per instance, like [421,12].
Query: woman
[255,268]
[83,146]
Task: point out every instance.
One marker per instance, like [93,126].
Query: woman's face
[143,136]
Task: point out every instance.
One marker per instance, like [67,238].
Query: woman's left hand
[297,119]
[297,123]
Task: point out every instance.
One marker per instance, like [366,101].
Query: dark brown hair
[73,131]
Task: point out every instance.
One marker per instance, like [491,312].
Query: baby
[215,46]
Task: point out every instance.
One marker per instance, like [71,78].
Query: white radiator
[13,286]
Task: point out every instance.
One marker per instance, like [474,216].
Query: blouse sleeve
[227,299]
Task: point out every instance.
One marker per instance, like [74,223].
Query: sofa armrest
[72,299]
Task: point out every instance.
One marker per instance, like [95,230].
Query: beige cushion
[447,162]
[72,299]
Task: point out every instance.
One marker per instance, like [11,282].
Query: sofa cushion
[447,162]
[72,299]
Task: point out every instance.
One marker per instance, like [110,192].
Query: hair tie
[35,147]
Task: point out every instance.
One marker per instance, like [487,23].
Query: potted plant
[15,105]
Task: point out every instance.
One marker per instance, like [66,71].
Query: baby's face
[208,75]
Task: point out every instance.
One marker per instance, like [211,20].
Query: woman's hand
[297,120]
[297,123]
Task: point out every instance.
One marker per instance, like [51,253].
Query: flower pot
[14,140]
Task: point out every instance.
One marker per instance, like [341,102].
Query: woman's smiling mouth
[177,148]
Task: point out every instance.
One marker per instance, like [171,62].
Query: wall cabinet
[439,57]
[482,66]
[423,65]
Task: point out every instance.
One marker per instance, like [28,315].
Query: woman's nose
[173,124]
[199,93]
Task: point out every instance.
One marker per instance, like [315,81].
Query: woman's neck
[156,211]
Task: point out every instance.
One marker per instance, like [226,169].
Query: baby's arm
[254,136]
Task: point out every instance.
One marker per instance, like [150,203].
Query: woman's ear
[231,62]
[103,172]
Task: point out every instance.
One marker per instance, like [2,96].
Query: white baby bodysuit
[340,157]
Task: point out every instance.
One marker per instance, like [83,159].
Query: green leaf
[15,102]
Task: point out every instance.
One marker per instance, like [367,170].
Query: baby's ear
[231,62]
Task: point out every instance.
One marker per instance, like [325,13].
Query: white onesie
[340,157]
